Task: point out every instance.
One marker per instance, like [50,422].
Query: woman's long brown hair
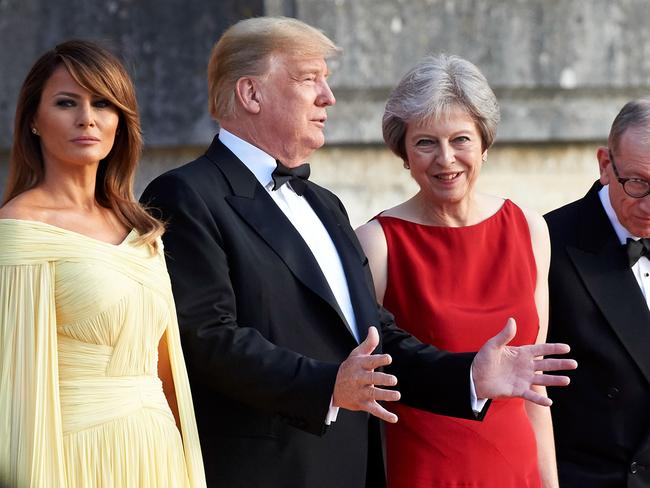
[101,73]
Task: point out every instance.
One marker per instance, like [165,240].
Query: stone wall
[165,45]
[538,176]
[560,68]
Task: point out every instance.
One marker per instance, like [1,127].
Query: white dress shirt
[641,269]
[311,229]
[302,217]
[306,222]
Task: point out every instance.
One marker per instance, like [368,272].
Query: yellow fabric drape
[80,400]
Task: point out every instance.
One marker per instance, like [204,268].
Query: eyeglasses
[634,187]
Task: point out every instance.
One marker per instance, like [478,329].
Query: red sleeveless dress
[454,287]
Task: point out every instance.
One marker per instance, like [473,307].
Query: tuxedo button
[612,393]
[634,467]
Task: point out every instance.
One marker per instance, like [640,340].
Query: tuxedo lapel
[352,258]
[254,205]
[263,215]
[601,263]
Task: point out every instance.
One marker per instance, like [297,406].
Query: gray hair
[634,114]
[246,48]
[432,89]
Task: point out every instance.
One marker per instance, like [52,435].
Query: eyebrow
[306,71]
[66,94]
[424,131]
[309,67]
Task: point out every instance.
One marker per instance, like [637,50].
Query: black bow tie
[636,249]
[296,176]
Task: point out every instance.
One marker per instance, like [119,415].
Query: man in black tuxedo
[599,299]
[275,301]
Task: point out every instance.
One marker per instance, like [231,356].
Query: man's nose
[326,97]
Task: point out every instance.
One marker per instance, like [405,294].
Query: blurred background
[561,70]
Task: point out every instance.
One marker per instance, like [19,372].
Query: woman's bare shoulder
[371,235]
[22,207]
[536,222]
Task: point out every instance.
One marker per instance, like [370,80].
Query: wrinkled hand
[502,371]
[355,387]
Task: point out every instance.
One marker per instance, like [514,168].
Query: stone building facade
[561,70]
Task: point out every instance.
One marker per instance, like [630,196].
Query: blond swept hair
[246,49]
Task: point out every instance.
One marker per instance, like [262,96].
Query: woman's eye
[462,139]
[102,103]
[65,102]
[424,142]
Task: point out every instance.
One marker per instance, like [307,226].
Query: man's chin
[642,230]
[318,141]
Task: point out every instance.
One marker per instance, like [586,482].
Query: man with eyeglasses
[600,303]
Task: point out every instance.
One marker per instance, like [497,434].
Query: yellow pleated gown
[81,404]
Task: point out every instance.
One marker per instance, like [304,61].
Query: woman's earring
[406,165]
[34,131]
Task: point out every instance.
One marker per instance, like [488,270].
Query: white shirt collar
[621,232]
[257,161]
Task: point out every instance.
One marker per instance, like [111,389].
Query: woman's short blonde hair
[246,48]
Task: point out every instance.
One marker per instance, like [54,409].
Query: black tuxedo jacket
[601,420]
[263,336]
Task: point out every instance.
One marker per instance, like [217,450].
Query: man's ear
[247,94]
[603,161]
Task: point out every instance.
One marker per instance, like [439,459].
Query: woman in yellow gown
[93,387]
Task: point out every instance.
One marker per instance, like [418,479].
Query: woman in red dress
[452,264]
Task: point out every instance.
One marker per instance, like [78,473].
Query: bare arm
[540,417]
[166,376]
[373,241]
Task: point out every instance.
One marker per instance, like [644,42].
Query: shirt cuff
[478,404]
[333,412]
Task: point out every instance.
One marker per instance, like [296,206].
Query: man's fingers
[553,364]
[369,344]
[379,394]
[377,378]
[373,362]
[550,380]
[380,412]
[506,334]
[549,349]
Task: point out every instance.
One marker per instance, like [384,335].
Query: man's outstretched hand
[502,371]
[357,383]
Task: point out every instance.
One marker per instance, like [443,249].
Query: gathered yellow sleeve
[81,404]
[191,443]
[31,440]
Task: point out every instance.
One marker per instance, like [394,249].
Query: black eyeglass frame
[623,181]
